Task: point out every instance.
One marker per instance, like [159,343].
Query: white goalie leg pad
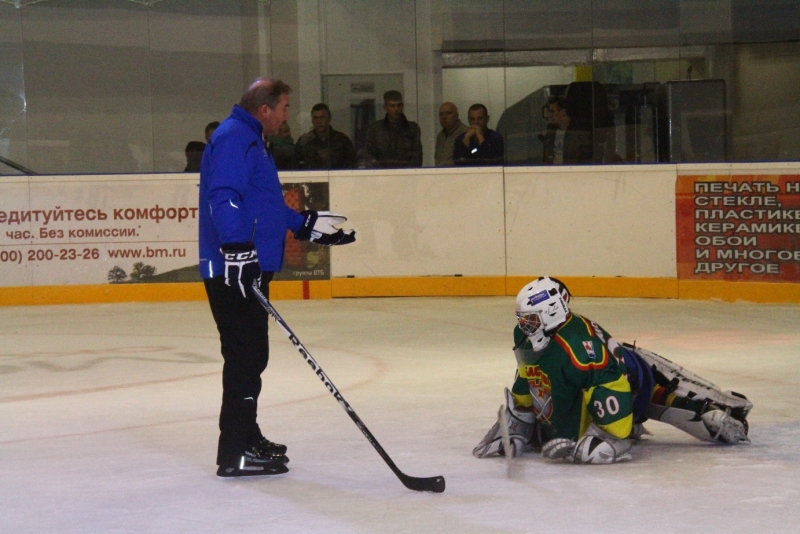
[724,428]
[559,449]
[600,447]
[716,426]
[690,386]
[595,447]
[521,426]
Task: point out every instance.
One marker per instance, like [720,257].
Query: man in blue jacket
[243,224]
[479,145]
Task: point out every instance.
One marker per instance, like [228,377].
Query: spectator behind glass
[452,127]
[282,147]
[564,144]
[393,141]
[478,145]
[323,147]
[210,128]
[194,153]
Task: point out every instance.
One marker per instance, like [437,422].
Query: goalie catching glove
[320,227]
[522,427]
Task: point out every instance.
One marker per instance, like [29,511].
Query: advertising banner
[122,230]
[738,228]
[303,260]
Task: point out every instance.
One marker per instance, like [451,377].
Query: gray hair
[263,91]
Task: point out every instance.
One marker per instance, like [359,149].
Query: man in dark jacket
[243,224]
[393,141]
[323,147]
[479,145]
[452,127]
[565,143]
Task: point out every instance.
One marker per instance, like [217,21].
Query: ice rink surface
[108,420]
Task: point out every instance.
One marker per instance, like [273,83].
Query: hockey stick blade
[432,484]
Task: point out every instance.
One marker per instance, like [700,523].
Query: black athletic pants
[242,326]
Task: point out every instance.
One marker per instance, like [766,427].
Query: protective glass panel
[13,100]
[765,117]
[88,86]
[128,86]
[196,72]
[635,23]
[547,25]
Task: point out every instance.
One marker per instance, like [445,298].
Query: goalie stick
[432,484]
[507,451]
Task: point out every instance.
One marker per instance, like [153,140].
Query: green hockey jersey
[579,377]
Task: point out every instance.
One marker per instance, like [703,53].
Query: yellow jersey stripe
[621,384]
[526,401]
[621,428]
[586,418]
[587,325]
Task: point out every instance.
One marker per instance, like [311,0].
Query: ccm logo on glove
[241,265]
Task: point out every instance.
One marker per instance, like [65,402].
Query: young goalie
[582,397]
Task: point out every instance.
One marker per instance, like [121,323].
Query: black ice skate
[265,446]
[253,463]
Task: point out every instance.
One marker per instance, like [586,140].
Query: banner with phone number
[122,229]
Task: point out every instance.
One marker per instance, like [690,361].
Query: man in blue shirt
[478,145]
[243,224]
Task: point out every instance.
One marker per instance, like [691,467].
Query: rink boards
[605,230]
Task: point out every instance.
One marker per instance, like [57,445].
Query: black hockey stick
[434,484]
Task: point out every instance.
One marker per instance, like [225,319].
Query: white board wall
[421,222]
[591,221]
[571,221]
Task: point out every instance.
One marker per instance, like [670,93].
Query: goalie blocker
[524,432]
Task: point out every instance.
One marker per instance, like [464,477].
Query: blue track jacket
[241,200]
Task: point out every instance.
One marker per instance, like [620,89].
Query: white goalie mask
[542,306]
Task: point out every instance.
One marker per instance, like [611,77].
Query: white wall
[421,222]
[517,221]
[591,221]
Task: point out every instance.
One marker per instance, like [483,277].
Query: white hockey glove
[521,427]
[320,227]
[241,265]
[595,447]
